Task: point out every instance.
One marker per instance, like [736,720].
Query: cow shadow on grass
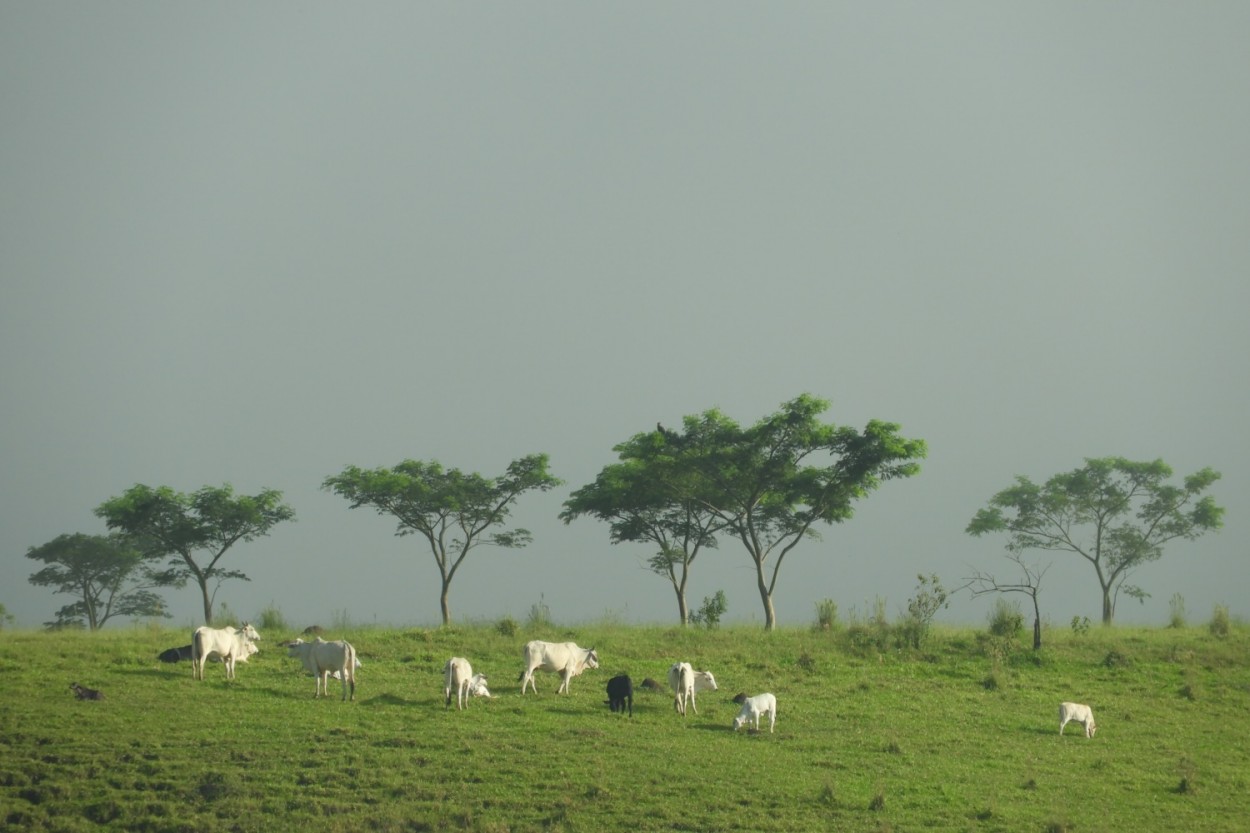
[388,699]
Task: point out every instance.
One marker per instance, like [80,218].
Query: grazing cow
[321,658]
[685,681]
[755,706]
[1079,713]
[176,654]
[457,675]
[84,693]
[621,694]
[230,643]
[565,658]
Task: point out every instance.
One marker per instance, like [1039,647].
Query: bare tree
[1031,585]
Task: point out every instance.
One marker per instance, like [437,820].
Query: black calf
[621,694]
[84,693]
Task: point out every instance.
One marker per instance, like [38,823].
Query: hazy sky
[257,242]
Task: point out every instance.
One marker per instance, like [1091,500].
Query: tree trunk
[1107,609]
[443,602]
[208,603]
[1037,624]
[770,614]
[682,609]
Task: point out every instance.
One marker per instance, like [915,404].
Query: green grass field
[955,737]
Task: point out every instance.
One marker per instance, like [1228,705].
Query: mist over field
[257,244]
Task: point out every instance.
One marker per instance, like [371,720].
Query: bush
[1220,625]
[710,612]
[1006,619]
[506,626]
[930,597]
[1080,625]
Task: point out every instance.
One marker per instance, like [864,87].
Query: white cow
[230,644]
[338,675]
[457,676]
[565,658]
[322,658]
[753,707]
[685,681]
[1081,714]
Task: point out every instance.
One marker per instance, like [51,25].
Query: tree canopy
[453,511]
[641,500]
[208,521]
[101,572]
[767,485]
[1115,513]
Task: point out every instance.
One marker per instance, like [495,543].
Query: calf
[621,694]
[1079,713]
[477,686]
[753,707]
[83,693]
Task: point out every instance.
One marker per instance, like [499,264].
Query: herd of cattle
[324,659]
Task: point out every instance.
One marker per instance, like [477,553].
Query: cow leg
[693,704]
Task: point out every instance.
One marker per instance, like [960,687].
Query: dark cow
[84,693]
[621,694]
[176,654]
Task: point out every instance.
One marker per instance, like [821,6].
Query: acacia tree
[641,500]
[178,526]
[1114,513]
[100,571]
[452,510]
[770,484]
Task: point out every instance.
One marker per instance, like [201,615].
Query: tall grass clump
[1006,619]
[271,619]
[1176,615]
[539,615]
[826,615]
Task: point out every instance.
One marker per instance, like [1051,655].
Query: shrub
[930,597]
[506,626]
[1220,624]
[710,612]
[1080,625]
[1006,619]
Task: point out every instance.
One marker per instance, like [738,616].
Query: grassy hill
[962,735]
